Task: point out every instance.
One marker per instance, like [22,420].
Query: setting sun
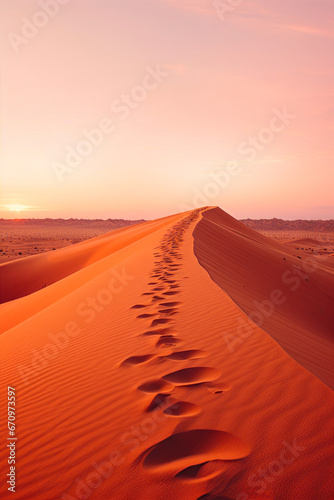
[15,208]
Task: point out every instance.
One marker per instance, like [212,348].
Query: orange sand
[134,380]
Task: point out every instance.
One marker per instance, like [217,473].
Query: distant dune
[26,237]
[141,373]
[106,223]
[290,225]
[305,242]
[259,224]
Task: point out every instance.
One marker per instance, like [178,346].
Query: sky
[144,108]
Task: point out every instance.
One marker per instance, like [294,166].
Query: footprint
[156,297]
[219,388]
[170,304]
[158,386]
[194,375]
[190,354]
[201,472]
[168,341]
[171,293]
[138,306]
[210,496]
[160,321]
[157,401]
[171,310]
[137,360]
[182,409]
[159,331]
[146,315]
[188,448]
[158,360]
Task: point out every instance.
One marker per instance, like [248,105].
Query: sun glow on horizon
[16,208]
[28,210]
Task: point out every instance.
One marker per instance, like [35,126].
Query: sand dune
[311,245]
[326,226]
[289,296]
[26,237]
[305,241]
[25,276]
[127,383]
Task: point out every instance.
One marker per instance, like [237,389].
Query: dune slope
[290,295]
[25,276]
[126,387]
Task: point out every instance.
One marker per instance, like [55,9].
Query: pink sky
[229,76]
